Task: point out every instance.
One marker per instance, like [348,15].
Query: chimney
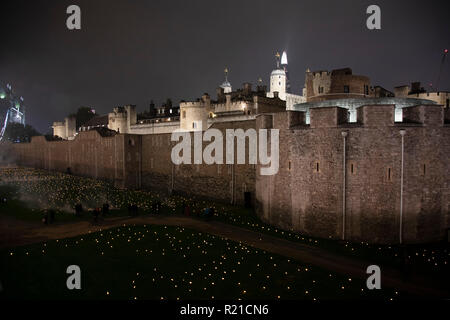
[247,88]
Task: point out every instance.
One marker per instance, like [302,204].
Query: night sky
[129,52]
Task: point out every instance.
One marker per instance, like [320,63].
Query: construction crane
[444,55]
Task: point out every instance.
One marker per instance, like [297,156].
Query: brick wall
[307,193]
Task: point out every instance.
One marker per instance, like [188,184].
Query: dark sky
[132,51]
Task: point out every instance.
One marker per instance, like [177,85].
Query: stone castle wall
[141,161]
[307,193]
[225,182]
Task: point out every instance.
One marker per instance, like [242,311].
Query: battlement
[376,115]
[296,118]
[58,124]
[319,74]
[232,106]
[427,115]
[117,115]
[328,117]
[192,104]
[264,121]
[119,110]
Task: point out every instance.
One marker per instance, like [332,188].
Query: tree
[16,132]
[83,115]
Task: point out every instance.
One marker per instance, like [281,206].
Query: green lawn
[162,262]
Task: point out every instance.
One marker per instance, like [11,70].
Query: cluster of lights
[61,190]
[174,263]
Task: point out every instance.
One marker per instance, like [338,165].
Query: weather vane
[226,73]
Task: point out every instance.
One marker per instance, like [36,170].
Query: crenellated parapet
[427,115]
[340,83]
[328,117]
[332,168]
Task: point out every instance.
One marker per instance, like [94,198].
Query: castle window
[317,167]
[389,174]
[366,89]
[447,103]
[352,168]
[289,165]
[184,114]
[194,125]
[424,171]
[320,89]
[346,89]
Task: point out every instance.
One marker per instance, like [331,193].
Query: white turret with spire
[278,80]
[226,85]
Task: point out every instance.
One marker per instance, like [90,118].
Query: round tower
[194,115]
[278,80]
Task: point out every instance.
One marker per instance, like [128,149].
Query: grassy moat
[147,261]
